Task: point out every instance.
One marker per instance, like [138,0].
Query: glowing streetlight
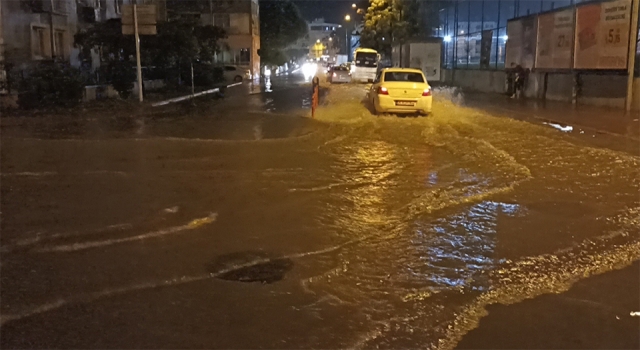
[330,39]
[353,6]
[346,36]
[318,40]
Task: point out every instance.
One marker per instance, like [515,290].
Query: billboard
[555,40]
[602,38]
[521,42]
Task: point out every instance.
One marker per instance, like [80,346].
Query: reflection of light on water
[267,85]
[433,178]
[268,104]
[567,128]
[257,132]
[461,247]
[370,164]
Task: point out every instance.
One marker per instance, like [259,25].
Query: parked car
[400,90]
[339,74]
[236,73]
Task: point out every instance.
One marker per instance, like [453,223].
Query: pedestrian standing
[509,88]
[519,78]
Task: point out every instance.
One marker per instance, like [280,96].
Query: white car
[400,90]
[236,73]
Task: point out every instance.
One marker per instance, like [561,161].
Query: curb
[190,96]
[561,122]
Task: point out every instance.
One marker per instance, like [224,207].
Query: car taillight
[383,90]
[426,92]
[335,75]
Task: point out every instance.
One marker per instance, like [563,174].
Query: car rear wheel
[237,79]
[372,106]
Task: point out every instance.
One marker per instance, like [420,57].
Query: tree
[391,22]
[182,40]
[280,26]
[178,41]
[107,36]
[379,22]
[50,84]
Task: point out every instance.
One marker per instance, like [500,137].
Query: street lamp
[346,37]
[353,6]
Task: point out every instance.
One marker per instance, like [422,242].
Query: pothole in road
[251,267]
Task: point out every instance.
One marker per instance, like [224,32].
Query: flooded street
[243,223]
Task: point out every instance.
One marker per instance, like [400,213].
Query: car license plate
[405,103]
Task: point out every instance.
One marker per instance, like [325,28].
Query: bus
[365,65]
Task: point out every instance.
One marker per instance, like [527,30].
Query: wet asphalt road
[242,223]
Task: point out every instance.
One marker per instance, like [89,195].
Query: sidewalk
[598,119]
[594,314]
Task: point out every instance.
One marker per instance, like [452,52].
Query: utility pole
[631,60]
[143,25]
[3,74]
[137,38]
[52,36]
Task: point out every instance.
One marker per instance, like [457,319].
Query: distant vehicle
[365,65]
[341,59]
[339,74]
[400,90]
[424,55]
[236,73]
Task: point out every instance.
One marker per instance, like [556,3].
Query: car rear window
[341,68]
[404,76]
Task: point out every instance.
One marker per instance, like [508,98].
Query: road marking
[31,173]
[193,224]
[40,237]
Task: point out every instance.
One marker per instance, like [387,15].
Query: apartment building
[239,18]
[3,74]
[34,30]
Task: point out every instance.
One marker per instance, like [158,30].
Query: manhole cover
[251,267]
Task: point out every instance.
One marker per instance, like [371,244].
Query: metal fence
[462,23]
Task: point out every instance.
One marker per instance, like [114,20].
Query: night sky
[333,11]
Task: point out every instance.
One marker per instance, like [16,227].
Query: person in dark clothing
[518,82]
[509,88]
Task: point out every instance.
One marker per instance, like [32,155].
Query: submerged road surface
[242,223]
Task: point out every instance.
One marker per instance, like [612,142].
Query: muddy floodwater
[243,223]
